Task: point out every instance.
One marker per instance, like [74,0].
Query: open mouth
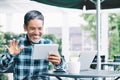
[36,37]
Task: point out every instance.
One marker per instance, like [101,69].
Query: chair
[94,66]
[117,59]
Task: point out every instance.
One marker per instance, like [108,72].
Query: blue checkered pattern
[25,68]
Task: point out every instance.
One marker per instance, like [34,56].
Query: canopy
[78,4]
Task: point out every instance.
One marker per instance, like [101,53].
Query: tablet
[40,51]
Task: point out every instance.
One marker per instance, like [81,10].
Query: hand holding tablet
[40,51]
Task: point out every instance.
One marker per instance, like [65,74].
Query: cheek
[41,32]
[29,33]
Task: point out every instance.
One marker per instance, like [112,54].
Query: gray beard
[35,41]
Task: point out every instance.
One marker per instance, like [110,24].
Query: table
[86,74]
[103,64]
[108,63]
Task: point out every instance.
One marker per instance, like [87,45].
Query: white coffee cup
[73,67]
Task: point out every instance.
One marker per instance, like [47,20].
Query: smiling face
[34,30]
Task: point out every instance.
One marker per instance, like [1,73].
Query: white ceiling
[17,6]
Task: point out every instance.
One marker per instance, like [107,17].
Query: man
[19,52]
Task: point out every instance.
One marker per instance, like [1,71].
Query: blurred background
[73,29]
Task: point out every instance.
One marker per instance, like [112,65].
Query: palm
[13,48]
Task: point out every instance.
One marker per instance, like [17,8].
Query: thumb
[6,46]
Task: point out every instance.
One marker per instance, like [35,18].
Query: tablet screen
[40,51]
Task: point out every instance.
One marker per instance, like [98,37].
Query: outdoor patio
[64,23]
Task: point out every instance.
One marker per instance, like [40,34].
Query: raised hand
[13,47]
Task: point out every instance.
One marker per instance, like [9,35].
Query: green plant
[114,29]
[114,36]
[91,26]
[3,77]
[2,42]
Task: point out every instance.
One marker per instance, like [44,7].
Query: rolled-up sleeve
[62,66]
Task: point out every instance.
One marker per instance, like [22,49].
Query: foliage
[4,39]
[114,25]
[91,24]
[2,42]
[51,37]
[10,35]
[114,29]
[3,77]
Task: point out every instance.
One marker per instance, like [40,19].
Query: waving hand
[13,47]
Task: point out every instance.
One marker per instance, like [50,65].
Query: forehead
[35,23]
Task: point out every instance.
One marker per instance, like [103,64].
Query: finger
[7,47]
[21,47]
[53,54]
[49,59]
[53,57]
[55,61]
[16,43]
[10,42]
[13,42]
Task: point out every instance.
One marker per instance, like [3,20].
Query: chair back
[117,59]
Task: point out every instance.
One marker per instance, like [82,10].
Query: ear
[25,27]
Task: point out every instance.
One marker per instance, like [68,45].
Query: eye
[31,28]
[40,28]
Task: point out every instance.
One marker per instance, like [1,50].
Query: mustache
[35,35]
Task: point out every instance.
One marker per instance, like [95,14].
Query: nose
[37,31]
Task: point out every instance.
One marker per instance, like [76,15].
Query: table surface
[108,63]
[86,74]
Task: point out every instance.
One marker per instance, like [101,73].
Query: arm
[6,61]
[62,66]
[58,61]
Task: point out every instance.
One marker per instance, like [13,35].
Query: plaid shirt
[25,68]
